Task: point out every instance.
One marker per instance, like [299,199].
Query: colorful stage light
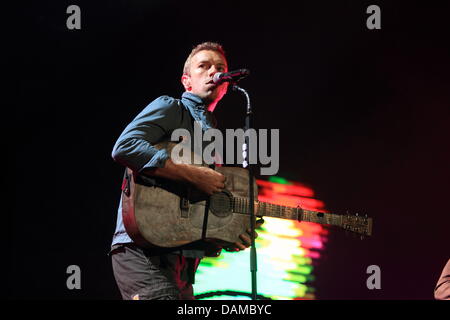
[286,250]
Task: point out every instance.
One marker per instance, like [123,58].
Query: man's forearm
[203,178]
[172,171]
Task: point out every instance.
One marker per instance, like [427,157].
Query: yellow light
[285,251]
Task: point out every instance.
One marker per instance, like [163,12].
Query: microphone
[232,76]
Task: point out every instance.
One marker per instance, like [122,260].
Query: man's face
[204,64]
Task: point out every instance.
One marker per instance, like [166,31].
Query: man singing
[169,274]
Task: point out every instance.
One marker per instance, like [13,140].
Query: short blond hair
[214,46]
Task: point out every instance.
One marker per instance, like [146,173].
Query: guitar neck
[241,205]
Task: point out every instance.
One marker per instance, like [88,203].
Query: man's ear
[186,81]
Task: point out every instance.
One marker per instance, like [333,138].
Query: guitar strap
[141,179]
[206,214]
[126,185]
[184,204]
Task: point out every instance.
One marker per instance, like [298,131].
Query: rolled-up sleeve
[135,147]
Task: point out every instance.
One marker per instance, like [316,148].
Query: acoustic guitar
[161,213]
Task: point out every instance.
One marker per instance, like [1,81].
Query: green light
[305,269]
[295,278]
[279,180]
[301,260]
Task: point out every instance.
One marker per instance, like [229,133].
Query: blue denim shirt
[135,146]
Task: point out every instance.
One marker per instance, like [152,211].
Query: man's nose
[212,71]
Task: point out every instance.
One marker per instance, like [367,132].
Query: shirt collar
[198,110]
[193,101]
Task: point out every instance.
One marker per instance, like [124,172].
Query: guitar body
[172,216]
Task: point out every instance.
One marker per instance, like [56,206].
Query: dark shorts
[145,275]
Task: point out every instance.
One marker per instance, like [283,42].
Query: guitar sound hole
[220,204]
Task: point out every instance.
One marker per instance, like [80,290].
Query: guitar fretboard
[241,205]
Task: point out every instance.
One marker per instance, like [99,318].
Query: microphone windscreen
[216,77]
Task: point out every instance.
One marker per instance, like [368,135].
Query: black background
[363,118]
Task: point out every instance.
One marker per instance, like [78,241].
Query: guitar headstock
[358,224]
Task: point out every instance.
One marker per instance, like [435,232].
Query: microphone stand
[251,179]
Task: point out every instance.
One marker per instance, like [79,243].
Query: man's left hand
[246,238]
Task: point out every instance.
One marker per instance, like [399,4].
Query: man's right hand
[207,180]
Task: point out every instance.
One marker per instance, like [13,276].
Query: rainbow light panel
[286,250]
